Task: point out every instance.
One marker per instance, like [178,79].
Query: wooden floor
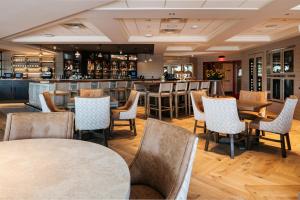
[257,174]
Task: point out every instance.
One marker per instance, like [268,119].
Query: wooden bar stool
[193,86]
[180,90]
[106,86]
[143,93]
[165,90]
[121,87]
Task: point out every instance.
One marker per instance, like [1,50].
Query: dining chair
[199,115]
[256,96]
[221,116]
[31,125]
[126,112]
[163,164]
[281,125]
[193,86]
[143,93]
[180,90]
[92,114]
[164,91]
[91,92]
[47,104]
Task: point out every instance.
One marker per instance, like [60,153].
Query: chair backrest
[283,122]
[205,85]
[196,97]
[221,115]
[121,84]
[181,86]
[91,92]
[131,106]
[105,85]
[194,86]
[139,87]
[259,96]
[32,125]
[47,103]
[92,113]
[162,162]
[165,87]
[87,85]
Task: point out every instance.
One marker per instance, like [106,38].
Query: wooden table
[61,169]
[113,103]
[252,105]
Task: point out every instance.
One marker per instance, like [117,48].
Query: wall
[152,69]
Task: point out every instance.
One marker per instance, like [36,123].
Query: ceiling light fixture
[221,58]
[48,35]
[121,52]
[150,59]
[77,54]
[195,27]
[148,35]
[54,47]
[145,61]
[99,55]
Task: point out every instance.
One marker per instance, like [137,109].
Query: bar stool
[106,86]
[180,90]
[121,87]
[205,85]
[143,93]
[193,86]
[165,90]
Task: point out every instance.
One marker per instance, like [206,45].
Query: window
[289,61]
[276,60]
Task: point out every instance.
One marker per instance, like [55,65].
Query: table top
[61,169]
[252,105]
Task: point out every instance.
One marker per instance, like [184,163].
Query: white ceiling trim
[249,38]
[166,39]
[62,39]
[223,48]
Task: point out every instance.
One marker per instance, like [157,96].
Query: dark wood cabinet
[14,89]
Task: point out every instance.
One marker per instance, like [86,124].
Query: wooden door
[228,77]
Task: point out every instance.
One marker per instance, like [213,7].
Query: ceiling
[175,27]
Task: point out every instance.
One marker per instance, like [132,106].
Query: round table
[61,169]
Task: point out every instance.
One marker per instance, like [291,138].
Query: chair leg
[134,127]
[171,106]
[176,106]
[283,151]
[207,140]
[145,105]
[159,107]
[287,137]
[79,135]
[204,127]
[148,106]
[130,124]
[189,104]
[263,133]
[112,126]
[185,104]
[195,126]
[249,138]
[231,146]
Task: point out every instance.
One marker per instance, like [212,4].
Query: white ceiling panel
[116,4]
[146,3]
[223,3]
[146,26]
[195,26]
[184,4]
[254,3]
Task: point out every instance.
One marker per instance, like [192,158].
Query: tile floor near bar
[257,174]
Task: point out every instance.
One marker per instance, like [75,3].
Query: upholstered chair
[193,86]
[281,125]
[256,97]
[143,93]
[39,125]
[91,92]
[47,104]
[127,112]
[92,114]
[164,91]
[163,164]
[196,97]
[221,116]
[180,90]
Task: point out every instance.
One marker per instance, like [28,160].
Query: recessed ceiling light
[148,35]
[194,26]
[271,25]
[48,35]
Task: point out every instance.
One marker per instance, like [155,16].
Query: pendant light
[99,55]
[77,54]
[150,59]
[145,61]
[41,53]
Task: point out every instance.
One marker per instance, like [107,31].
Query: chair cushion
[144,192]
[255,123]
[116,113]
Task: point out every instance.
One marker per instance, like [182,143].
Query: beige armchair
[39,125]
[163,165]
[126,112]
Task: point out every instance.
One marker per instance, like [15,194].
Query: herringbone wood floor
[257,174]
